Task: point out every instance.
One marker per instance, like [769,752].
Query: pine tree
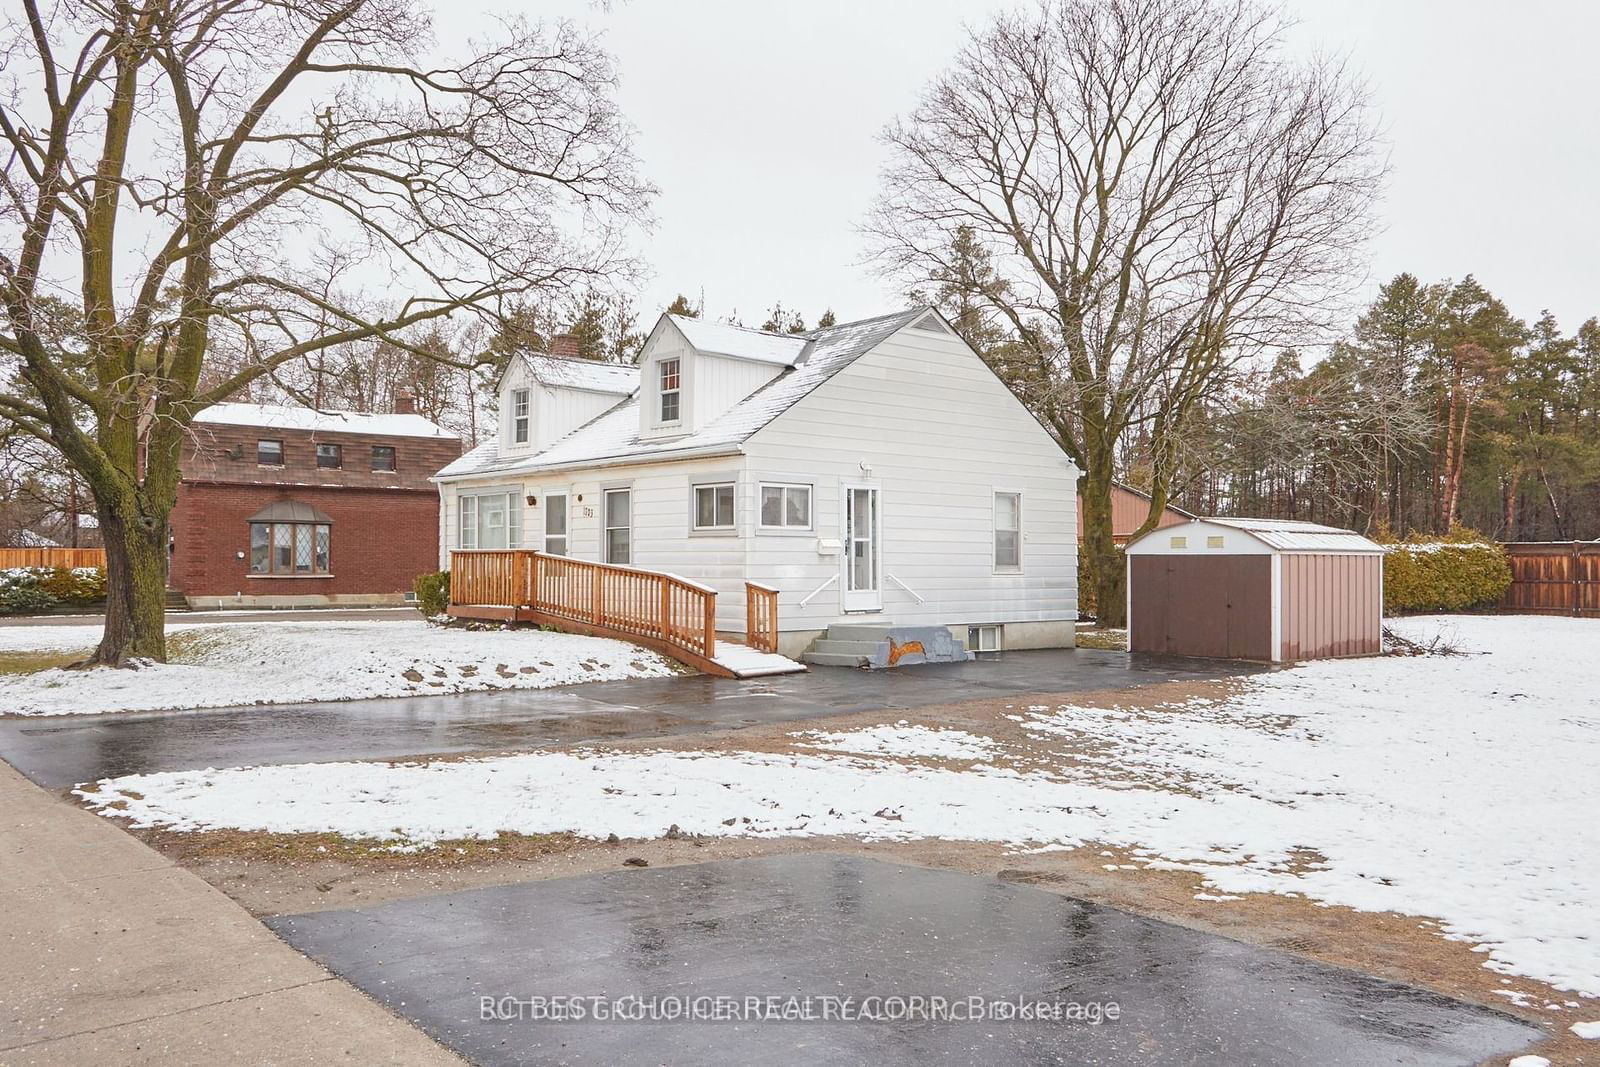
[681,306]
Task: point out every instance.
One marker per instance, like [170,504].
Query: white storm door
[862,568]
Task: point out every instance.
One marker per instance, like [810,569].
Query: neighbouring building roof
[587,374]
[1294,535]
[289,511]
[291,417]
[613,436]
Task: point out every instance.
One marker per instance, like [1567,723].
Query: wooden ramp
[664,612]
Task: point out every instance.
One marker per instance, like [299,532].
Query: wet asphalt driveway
[62,751]
[805,926]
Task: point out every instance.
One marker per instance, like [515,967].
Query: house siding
[940,434]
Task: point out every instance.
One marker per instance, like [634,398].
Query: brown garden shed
[1257,589]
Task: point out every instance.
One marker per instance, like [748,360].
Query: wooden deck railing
[624,601]
[52,557]
[761,616]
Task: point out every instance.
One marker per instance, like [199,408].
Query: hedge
[27,590]
[1443,576]
[433,593]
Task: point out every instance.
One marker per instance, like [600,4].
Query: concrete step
[860,631]
[827,645]
[834,659]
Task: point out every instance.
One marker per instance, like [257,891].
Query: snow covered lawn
[227,664]
[1463,789]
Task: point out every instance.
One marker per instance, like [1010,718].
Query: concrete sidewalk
[114,954]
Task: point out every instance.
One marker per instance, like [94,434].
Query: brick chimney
[405,404]
[564,344]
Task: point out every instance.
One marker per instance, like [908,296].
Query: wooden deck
[664,612]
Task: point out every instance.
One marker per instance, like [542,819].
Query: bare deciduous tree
[180,168]
[1163,193]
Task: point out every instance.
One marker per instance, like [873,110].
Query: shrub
[433,593]
[74,584]
[1455,575]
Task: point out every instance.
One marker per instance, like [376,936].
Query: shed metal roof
[290,511]
[1292,535]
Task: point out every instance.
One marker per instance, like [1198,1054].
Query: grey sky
[758,122]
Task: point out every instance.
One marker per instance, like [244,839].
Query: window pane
[617,546]
[705,506]
[302,549]
[860,520]
[513,520]
[260,532]
[328,455]
[669,407]
[669,374]
[1007,511]
[555,546]
[724,495]
[492,522]
[555,514]
[860,565]
[798,509]
[617,507]
[282,548]
[324,537]
[469,522]
[269,453]
[1005,548]
[771,505]
[382,458]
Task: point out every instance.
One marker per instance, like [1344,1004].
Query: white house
[875,471]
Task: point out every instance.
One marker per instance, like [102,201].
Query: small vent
[1213,542]
[1179,542]
[932,323]
[411,598]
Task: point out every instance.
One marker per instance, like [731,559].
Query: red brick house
[286,506]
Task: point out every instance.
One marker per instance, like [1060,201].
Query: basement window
[983,639]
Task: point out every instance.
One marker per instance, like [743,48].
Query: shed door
[1218,607]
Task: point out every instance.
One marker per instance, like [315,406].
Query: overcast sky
[758,122]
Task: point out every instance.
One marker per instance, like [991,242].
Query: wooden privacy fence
[647,606]
[1553,578]
[52,557]
[761,616]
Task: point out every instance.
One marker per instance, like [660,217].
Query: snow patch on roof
[1294,535]
[587,374]
[289,417]
[613,436]
[721,339]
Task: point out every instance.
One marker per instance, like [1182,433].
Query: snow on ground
[1457,788]
[223,665]
[903,739]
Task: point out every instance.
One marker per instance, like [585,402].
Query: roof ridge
[732,326]
[862,322]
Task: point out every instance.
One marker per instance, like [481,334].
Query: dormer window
[519,416]
[671,394]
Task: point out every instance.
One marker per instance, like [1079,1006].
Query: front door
[862,567]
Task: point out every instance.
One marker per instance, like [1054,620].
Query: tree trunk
[136,589]
[1099,546]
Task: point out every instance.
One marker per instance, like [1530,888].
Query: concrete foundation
[329,600]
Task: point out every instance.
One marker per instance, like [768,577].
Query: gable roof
[1294,535]
[613,436]
[589,375]
[291,417]
[721,339]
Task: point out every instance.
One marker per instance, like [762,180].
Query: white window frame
[995,531]
[975,635]
[521,416]
[715,487]
[785,526]
[662,392]
[467,504]
[606,527]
